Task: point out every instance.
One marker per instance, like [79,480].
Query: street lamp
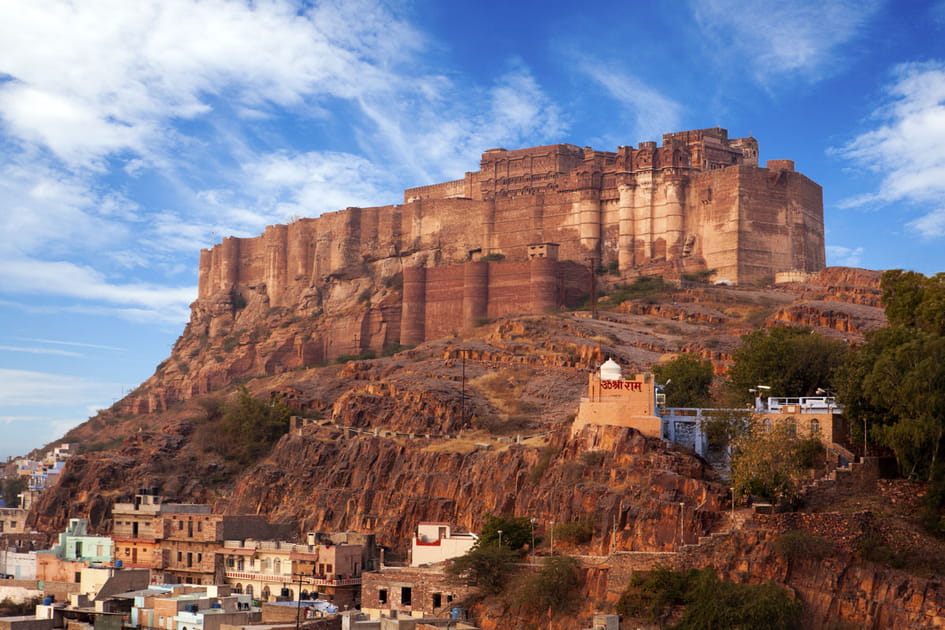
[500,537]
[533,535]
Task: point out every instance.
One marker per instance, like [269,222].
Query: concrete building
[75,551]
[13,521]
[638,404]
[270,569]
[615,401]
[437,542]
[191,608]
[134,531]
[21,565]
[189,537]
[410,592]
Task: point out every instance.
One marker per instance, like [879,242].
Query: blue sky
[132,134]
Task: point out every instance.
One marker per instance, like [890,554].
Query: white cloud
[20,388]
[455,123]
[51,210]
[73,344]
[906,148]
[781,39]
[844,256]
[94,78]
[310,183]
[54,351]
[70,280]
[649,113]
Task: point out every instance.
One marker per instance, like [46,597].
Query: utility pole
[463,402]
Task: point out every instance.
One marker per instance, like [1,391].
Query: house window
[180,525]
[199,526]
[382,596]
[180,556]
[437,600]
[815,427]
[406,595]
[199,557]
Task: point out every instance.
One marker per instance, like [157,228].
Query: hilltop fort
[524,234]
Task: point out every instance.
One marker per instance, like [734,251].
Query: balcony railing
[290,579]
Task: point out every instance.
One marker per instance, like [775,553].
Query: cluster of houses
[178,566]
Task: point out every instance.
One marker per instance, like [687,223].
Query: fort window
[406,595]
[382,596]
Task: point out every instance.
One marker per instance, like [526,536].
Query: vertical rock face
[631,489]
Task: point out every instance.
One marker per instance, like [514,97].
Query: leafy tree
[487,568]
[575,532]
[708,602]
[792,361]
[252,426]
[652,595]
[13,485]
[769,461]
[712,603]
[687,379]
[893,388]
[555,588]
[516,531]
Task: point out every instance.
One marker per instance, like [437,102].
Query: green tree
[792,361]
[712,603]
[555,588]
[769,461]
[486,568]
[688,379]
[893,388]
[707,602]
[13,485]
[252,426]
[516,531]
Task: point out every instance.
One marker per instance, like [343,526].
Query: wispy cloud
[844,256]
[906,146]
[645,109]
[74,344]
[187,98]
[70,280]
[21,388]
[53,351]
[782,39]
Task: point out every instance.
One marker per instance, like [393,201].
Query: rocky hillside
[450,430]
[452,404]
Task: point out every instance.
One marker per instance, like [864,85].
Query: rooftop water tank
[610,371]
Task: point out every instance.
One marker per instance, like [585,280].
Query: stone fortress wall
[697,202]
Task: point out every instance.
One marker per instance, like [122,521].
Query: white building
[436,542]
